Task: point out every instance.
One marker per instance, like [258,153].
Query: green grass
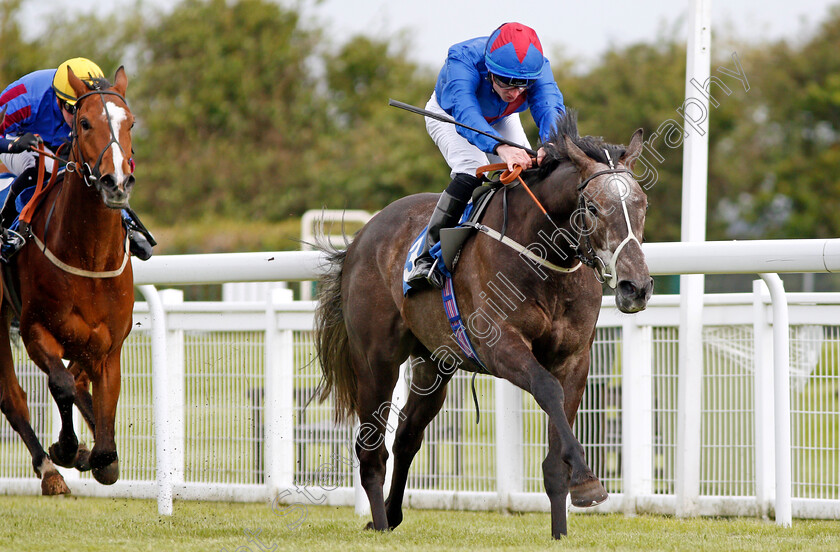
[90,524]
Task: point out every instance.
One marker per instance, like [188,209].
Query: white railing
[236,377]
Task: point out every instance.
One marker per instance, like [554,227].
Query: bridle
[92,175]
[584,252]
[604,272]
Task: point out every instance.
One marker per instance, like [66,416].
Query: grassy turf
[90,524]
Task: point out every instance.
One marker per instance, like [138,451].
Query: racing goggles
[506,83]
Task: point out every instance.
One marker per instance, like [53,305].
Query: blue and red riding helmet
[514,51]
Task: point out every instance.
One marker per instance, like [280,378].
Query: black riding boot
[139,245]
[448,210]
[11,240]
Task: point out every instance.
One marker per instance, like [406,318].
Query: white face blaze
[615,191]
[117,115]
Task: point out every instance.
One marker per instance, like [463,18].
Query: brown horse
[532,322]
[76,288]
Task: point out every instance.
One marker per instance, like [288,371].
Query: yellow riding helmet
[83,68]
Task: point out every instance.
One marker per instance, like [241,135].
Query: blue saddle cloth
[417,246]
[20,201]
[450,305]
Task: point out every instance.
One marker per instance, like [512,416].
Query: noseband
[93,175]
[605,273]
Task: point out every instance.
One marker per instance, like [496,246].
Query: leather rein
[584,252]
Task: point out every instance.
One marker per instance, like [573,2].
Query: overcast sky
[582,29]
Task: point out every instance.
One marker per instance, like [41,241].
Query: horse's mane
[593,146]
[97,83]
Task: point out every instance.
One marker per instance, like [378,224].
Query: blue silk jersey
[31,106]
[464,91]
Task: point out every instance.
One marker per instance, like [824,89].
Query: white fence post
[637,411]
[176,378]
[279,398]
[689,399]
[160,395]
[693,229]
[508,441]
[765,476]
[781,397]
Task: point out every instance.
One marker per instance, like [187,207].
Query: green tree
[779,163]
[229,107]
[246,113]
[637,86]
[19,56]
[376,154]
[109,40]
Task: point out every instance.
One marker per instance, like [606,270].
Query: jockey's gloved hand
[24,142]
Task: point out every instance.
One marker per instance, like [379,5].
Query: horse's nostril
[630,290]
[627,288]
[108,181]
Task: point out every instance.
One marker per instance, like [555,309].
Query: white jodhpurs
[16,163]
[462,156]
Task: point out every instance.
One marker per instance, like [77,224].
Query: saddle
[452,239]
[448,249]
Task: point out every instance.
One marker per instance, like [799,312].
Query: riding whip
[445,119]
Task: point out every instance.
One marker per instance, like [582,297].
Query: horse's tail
[331,341]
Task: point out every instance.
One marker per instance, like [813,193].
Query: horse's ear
[583,162]
[633,150]
[79,87]
[120,81]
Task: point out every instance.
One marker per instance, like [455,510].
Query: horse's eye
[84,124]
[592,209]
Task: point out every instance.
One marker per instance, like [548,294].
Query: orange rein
[40,189]
[509,176]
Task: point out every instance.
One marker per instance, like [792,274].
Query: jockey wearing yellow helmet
[39,108]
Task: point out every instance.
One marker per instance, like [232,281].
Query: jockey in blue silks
[39,109]
[485,83]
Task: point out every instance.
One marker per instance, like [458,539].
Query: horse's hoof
[82,462]
[61,458]
[109,474]
[394,520]
[53,484]
[590,493]
[371,527]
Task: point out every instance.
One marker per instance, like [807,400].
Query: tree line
[246,112]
